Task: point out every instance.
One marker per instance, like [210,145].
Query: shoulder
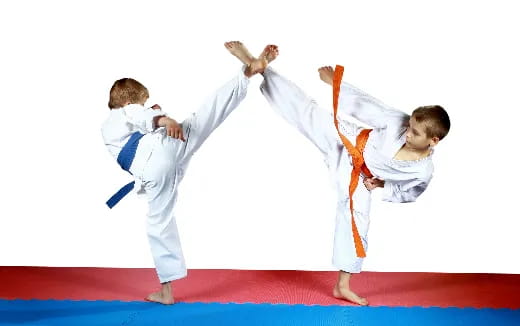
[130,108]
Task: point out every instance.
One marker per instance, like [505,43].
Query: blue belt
[125,159]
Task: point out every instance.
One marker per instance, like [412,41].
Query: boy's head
[428,125]
[127,91]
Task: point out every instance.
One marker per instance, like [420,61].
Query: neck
[422,152]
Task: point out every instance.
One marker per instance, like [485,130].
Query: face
[416,137]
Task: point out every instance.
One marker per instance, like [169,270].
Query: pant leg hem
[172,277]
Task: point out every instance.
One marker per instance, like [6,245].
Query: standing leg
[344,255]
[161,181]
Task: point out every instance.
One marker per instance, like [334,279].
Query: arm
[141,118]
[365,108]
[403,192]
[373,183]
[147,120]
[173,129]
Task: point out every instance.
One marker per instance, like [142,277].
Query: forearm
[402,193]
[143,119]
[160,121]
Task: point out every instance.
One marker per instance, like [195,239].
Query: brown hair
[126,90]
[436,120]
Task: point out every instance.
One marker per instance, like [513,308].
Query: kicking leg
[254,65]
[218,106]
[300,111]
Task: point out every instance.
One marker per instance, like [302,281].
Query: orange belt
[356,153]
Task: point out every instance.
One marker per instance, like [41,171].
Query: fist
[174,130]
[373,183]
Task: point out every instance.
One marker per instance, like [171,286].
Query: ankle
[166,288]
[344,280]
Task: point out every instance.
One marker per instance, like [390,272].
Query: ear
[434,141]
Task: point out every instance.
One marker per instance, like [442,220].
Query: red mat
[242,286]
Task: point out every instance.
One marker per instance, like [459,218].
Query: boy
[158,157]
[396,156]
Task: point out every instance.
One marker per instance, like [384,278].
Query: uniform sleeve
[404,192]
[142,118]
[365,108]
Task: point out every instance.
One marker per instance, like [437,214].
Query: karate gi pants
[317,125]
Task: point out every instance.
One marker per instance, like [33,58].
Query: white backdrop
[257,194]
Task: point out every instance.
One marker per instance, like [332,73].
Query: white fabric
[404,180]
[123,122]
[160,165]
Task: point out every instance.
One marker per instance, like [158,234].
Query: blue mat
[70,313]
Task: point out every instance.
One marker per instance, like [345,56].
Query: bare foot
[163,296]
[256,66]
[326,74]
[240,51]
[347,294]
[270,53]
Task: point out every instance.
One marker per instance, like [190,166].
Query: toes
[151,298]
[232,44]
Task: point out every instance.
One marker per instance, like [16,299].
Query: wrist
[160,121]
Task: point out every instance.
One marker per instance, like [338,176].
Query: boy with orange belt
[395,155]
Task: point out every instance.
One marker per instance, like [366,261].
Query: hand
[326,74]
[373,183]
[156,107]
[173,129]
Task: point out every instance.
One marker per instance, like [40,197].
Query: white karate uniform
[404,180]
[161,161]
